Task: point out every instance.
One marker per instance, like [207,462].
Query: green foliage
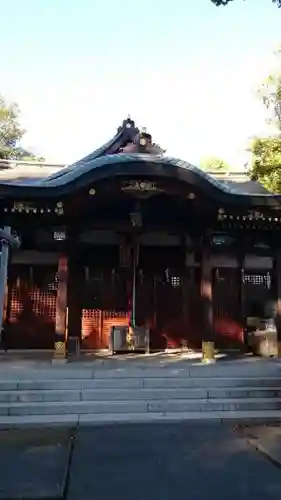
[11,133]
[218,3]
[10,130]
[266,162]
[213,164]
[266,151]
[270,94]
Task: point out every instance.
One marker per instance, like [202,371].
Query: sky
[185,70]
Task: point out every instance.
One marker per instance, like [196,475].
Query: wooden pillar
[126,255]
[240,255]
[277,277]
[75,288]
[206,309]
[60,351]
[240,271]
[4,275]
[185,290]
[187,286]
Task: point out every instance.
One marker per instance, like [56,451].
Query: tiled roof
[43,179]
[247,187]
[31,172]
[77,176]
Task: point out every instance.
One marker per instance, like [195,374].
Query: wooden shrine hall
[129,236]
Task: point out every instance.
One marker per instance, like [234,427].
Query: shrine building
[127,236]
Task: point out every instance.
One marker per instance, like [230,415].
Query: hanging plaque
[141,188]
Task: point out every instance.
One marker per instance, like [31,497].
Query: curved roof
[132,152]
[93,169]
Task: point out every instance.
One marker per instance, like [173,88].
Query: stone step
[183,370]
[75,419]
[199,371]
[39,383]
[142,394]
[139,406]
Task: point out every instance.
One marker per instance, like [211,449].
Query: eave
[136,165]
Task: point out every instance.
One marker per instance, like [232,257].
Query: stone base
[59,361]
[208,361]
[264,343]
[60,353]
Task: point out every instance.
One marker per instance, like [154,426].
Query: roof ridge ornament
[128,123]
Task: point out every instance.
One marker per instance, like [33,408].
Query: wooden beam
[277,269]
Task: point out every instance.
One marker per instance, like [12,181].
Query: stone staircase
[70,395]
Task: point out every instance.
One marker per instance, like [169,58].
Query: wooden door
[258,293]
[168,286]
[159,295]
[104,304]
[227,308]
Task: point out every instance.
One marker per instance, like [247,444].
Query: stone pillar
[206,307]
[60,351]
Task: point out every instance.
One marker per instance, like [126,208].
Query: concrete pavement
[34,463]
[267,440]
[139,461]
[170,462]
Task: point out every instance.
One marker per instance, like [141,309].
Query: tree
[266,151]
[11,133]
[266,162]
[270,94]
[218,3]
[213,164]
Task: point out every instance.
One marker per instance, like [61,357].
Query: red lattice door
[104,304]
[31,308]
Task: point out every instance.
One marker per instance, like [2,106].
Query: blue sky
[184,69]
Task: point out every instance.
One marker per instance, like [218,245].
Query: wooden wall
[167,297]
